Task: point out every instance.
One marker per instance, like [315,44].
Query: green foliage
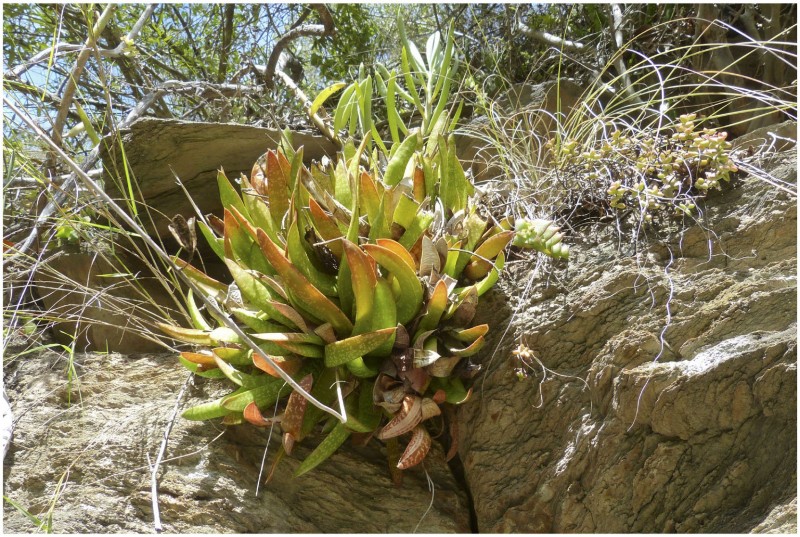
[359,271]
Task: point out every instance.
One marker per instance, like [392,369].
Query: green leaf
[345,350]
[324,95]
[395,121]
[213,241]
[198,320]
[410,295]
[325,449]
[195,368]
[234,355]
[418,226]
[211,409]
[262,396]
[342,113]
[228,195]
[363,281]
[397,164]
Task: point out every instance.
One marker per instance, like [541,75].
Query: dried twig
[162,451]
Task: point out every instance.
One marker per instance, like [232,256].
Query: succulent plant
[359,280]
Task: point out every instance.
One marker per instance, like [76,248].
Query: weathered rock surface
[666,395]
[155,148]
[100,445]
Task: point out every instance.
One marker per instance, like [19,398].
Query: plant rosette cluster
[652,171]
[356,286]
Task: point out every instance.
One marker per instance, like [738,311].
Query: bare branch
[77,70]
[320,30]
[60,49]
[616,12]
[550,39]
[196,87]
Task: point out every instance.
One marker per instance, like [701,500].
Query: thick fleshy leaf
[256,320]
[363,281]
[418,227]
[409,299]
[197,318]
[204,358]
[326,283]
[454,390]
[239,378]
[362,368]
[469,335]
[384,315]
[262,396]
[417,448]
[397,164]
[346,350]
[253,291]
[470,350]
[289,364]
[405,211]
[253,415]
[362,415]
[326,227]
[324,95]
[436,306]
[210,410]
[308,345]
[207,284]
[187,335]
[278,172]
[201,370]
[478,266]
[233,355]
[228,195]
[290,337]
[325,449]
[256,205]
[213,241]
[398,249]
[303,293]
[293,416]
[370,199]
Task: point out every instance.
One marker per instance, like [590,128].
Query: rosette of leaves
[357,278]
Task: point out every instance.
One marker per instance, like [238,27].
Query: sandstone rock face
[664,397]
[155,148]
[100,445]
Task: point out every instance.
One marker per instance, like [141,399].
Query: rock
[91,457]
[106,300]
[665,392]
[155,148]
[525,108]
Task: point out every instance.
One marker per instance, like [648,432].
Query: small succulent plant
[651,171]
[358,279]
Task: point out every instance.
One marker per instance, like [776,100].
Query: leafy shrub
[359,280]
